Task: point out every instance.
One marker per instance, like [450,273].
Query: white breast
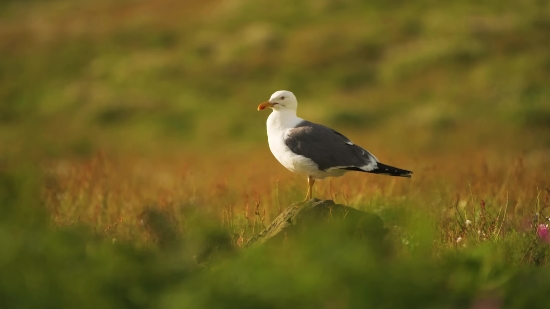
[278,125]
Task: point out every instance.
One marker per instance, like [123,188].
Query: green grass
[67,266]
[481,63]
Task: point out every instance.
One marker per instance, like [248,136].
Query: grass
[134,165]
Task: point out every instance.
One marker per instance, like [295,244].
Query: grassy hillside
[134,165]
[142,72]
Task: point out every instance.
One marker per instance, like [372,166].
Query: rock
[331,217]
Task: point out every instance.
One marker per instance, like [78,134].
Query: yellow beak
[264,105]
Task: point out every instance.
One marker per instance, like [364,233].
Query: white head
[280,101]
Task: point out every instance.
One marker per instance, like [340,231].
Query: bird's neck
[283,119]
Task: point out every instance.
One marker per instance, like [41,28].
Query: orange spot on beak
[264,105]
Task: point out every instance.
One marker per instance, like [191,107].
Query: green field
[134,165]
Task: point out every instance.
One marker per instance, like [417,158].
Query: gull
[313,150]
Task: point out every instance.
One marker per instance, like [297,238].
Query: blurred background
[142,76]
[128,127]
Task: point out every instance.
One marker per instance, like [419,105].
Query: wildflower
[468,222]
[459,239]
[543,233]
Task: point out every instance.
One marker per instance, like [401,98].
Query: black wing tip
[384,169]
[404,175]
[391,171]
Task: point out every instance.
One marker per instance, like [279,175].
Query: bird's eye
[282,98]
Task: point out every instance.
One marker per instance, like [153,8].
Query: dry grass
[245,191]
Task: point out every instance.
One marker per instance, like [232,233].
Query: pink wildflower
[543,233]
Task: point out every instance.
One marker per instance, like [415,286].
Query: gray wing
[328,148]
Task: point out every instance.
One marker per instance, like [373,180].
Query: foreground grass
[169,233]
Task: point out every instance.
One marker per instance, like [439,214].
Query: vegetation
[134,165]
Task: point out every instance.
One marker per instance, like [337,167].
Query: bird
[314,150]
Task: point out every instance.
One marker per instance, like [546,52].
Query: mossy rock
[302,218]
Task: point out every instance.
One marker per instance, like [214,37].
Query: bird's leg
[310,182]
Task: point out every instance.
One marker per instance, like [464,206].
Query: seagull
[313,150]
